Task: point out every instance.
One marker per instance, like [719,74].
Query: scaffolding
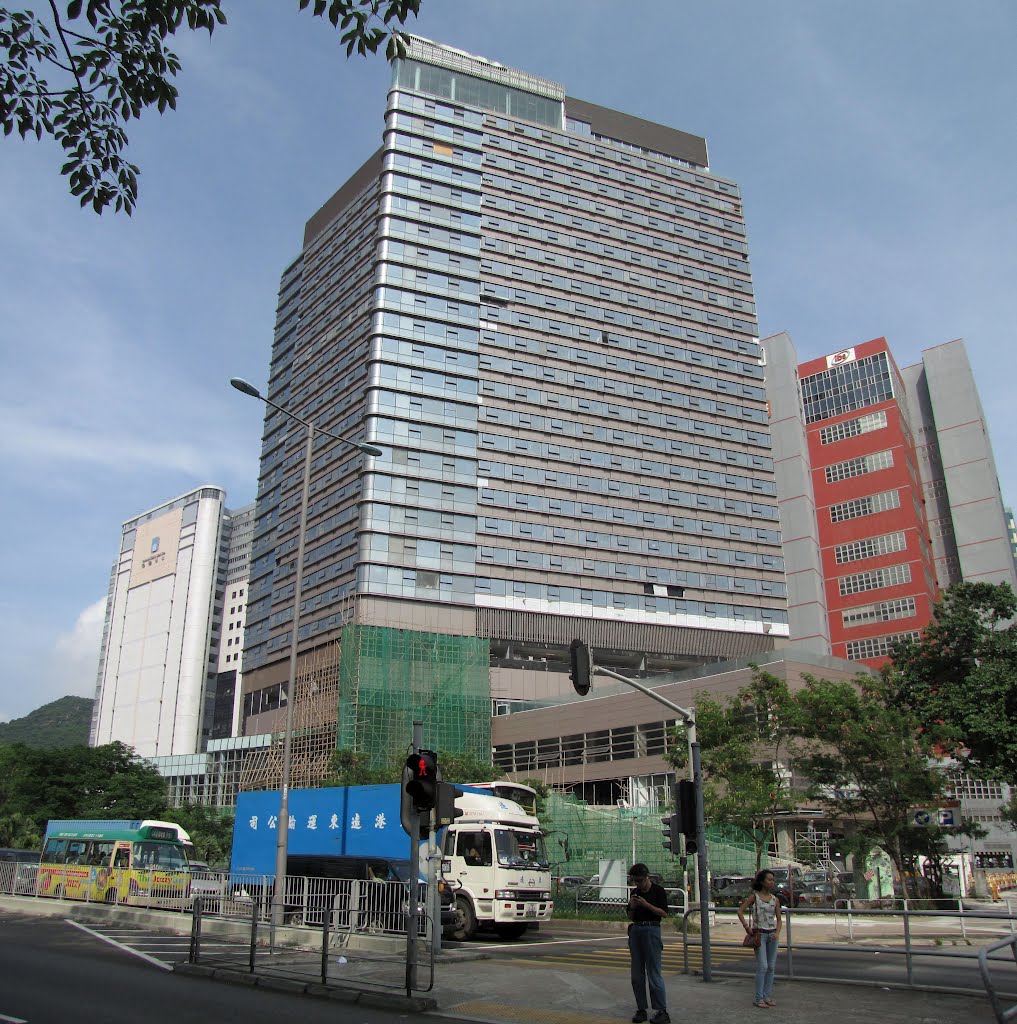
[315,725]
[391,677]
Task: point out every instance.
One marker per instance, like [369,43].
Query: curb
[361,997]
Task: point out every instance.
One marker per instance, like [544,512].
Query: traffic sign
[922,818]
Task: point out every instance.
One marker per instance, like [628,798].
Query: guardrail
[1002,1012]
[908,950]
[375,909]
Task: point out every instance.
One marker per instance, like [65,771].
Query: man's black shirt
[655,895]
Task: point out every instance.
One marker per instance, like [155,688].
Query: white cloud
[59,666]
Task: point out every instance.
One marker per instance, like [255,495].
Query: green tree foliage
[961,676]
[62,723]
[740,742]
[19,832]
[80,75]
[210,829]
[79,782]
[867,760]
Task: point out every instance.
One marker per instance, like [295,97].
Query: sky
[874,142]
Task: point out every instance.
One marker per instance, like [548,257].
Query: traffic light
[672,834]
[687,813]
[580,667]
[422,779]
[447,811]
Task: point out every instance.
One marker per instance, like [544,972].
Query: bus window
[55,852]
[164,856]
[101,853]
[123,857]
[77,851]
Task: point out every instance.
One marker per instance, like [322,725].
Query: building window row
[965,788]
[874,579]
[852,428]
[876,646]
[849,386]
[618,744]
[859,467]
[884,611]
[870,547]
[867,506]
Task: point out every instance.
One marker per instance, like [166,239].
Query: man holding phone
[647,907]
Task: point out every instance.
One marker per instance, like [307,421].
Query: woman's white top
[764,913]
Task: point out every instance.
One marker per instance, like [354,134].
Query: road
[55,973]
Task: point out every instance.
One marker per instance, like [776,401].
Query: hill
[64,723]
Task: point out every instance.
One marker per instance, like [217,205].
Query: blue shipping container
[353,821]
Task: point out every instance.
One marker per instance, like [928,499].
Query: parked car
[205,882]
[732,895]
[819,894]
[720,882]
[789,880]
[845,884]
[18,870]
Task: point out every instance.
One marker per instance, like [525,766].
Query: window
[891,576]
[852,428]
[876,646]
[885,611]
[866,506]
[870,547]
[858,467]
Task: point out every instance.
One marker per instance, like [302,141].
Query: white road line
[12,1020]
[119,945]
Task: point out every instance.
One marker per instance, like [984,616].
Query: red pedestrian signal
[422,784]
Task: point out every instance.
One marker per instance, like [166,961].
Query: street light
[283,824]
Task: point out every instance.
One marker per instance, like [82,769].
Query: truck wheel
[465,926]
[510,931]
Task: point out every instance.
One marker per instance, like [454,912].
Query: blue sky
[874,143]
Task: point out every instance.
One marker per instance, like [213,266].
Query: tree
[742,744]
[210,829]
[79,782]
[961,676]
[868,761]
[108,71]
[20,832]
[348,768]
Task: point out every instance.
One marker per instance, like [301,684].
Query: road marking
[119,945]
[12,1020]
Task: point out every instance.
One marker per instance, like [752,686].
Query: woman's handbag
[752,939]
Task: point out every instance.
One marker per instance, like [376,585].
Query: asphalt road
[55,973]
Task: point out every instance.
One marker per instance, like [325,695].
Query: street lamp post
[283,824]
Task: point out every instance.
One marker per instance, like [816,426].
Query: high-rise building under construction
[542,311]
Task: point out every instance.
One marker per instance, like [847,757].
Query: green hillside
[64,723]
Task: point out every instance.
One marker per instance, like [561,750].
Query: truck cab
[493,854]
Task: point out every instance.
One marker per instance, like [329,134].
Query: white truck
[493,855]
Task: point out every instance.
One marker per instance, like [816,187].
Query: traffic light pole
[695,766]
[413,888]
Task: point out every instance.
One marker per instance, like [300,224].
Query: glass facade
[552,338]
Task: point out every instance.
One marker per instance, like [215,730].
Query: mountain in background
[64,723]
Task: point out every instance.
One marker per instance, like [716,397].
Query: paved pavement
[537,985]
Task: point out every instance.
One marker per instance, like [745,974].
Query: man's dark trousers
[646,948]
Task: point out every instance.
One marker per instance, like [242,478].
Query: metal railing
[1003,1013]
[326,917]
[908,950]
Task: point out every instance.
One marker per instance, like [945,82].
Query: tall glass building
[542,311]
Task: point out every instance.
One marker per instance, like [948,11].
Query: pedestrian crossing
[672,961]
[160,948]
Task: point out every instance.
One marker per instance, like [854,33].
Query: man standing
[647,908]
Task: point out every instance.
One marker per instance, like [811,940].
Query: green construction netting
[597,833]
[390,677]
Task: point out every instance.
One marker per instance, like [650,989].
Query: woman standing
[766,920]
